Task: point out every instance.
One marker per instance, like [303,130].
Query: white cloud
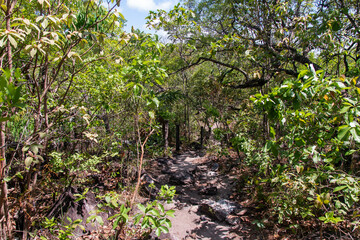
[147,5]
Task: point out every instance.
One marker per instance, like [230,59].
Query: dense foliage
[276,82]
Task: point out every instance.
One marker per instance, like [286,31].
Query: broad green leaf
[12,41]
[168,223]
[141,207]
[345,109]
[348,153]
[2,42]
[45,23]
[355,134]
[33,52]
[155,212]
[7,179]
[152,114]
[28,161]
[161,207]
[268,146]
[170,213]
[164,229]
[153,221]
[272,132]
[339,188]
[89,219]
[100,220]
[344,132]
[137,218]
[158,232]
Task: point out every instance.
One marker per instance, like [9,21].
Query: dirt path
[198,181]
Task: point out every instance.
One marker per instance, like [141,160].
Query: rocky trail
[204,203]
[203,206]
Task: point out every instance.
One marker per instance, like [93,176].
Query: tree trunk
[177,137]
[202,137]
[166,137]
[5,223]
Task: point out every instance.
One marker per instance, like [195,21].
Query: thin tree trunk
[5,223]
[166,137]
[142,149]
[177,137]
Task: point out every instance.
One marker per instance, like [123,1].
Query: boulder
[214,167]
[222,210]
[181,178]
[148,185]
[212,175]
[68,206]
[163,179]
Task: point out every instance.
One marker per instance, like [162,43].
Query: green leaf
[158,232]
[25,148]
[355,135]
[100,220]
[116,222]
[341,85]
[155,212]
[344,132]
[17,73]
[2,42]
[345,109]
[164,229]
[12,41]
[137,218]
[168,223]
[161,207]
[16,96]
[153,221]
[348,153]
[141,207]
[89,219]
[82,227]
[45,23]
[339,188]
[28,161]
[156,101]
[34,148]
[7,179]
[272,132]
[152,114]
[33,52]
[268,146]
[170,213]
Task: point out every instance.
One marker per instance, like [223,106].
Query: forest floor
[200,180]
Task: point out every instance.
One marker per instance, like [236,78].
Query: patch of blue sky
[135,12]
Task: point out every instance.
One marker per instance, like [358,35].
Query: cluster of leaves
[151,217]
[314,139]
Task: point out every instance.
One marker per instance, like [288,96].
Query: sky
[135,12]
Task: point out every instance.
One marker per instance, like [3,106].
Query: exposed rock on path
[203,208]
